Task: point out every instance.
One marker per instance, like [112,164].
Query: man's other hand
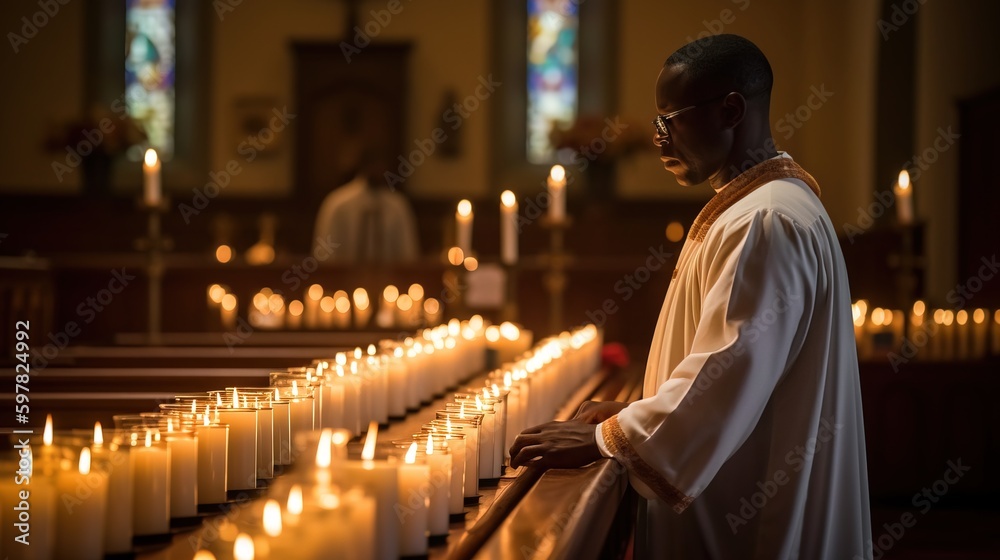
[592,412]
[556,445]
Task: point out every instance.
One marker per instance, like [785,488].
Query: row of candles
[318,310]
[556,204]
[925,333]
[98,491]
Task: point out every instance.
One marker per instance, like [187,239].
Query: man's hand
[592,412]
[556,445]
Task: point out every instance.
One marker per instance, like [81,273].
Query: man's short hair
[730,59]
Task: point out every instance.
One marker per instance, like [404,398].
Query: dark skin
[714,142]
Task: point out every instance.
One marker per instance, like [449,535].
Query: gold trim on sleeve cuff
[618,444]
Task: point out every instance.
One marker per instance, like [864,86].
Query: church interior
[261,198]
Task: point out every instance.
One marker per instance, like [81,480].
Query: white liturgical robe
[749,440]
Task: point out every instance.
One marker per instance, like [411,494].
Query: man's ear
[734,110]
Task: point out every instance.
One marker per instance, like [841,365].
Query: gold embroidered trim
[744,184]
[619,446]
[673,274]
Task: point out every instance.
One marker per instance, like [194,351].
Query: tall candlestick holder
[555,278]
[154,244]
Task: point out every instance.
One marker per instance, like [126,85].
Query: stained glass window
[149,70]
[552,72]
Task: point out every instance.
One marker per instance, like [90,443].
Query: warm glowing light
[878,316]
[996,316]
[404,303]
[229,302]
[295,388]
[343,305]
[98,434]
[962,317]
[224,254]
[361,301]
[493,333]
[206,417]
[236,397]
[939,316]
[919,307]
[295,308]
[979,316]
[149,438]
[675,232]
[863,306]
[368,453]
[295,500]
[216,293]
[509,331]
[507,379]
[323,451]
[508,199]
[461,411]
[327,304]
[496,390]
[85,460]
[557,173]
[416,292]
[856,313]
[243,548]
[471,264]
[464,208]
[430,444]
[47,433]
[390,293]
[456,256]
[431,306]
[315,292]
[949,317]
[272,518]
[904,180]
[340,437]
[203,555]
[358,353]
[151,158]
[411,454]
[888,317]
[260,301]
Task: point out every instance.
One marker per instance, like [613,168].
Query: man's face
[699,142]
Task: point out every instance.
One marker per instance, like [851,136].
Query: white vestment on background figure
[749,440]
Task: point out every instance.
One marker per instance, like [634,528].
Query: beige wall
[956,59]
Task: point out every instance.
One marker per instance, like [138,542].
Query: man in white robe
[749,440]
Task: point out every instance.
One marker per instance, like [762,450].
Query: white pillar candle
[282,445]
[362,308]
[904,198]
[213,467]
[151,490]
[386,317]
[457,420]
[265,440]
[342,311]
[413,486]
[114,462]
[242,455]
[963,335]
[362,512]
[397,383]
[380,479]
[333,402]
[439,464]
[463,226]
[456,445]
[183,448]
[557,193]
[300,415]
[151,188]
[228,310]
[81,515]
[508,228]
[311,315]
[487,445]
[980,326]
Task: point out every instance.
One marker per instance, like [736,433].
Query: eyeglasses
[660,122]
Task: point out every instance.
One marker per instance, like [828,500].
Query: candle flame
[411,454]
[85,460]
[962,317]
[203,555]
[99,433]
[496,390]
[390,293]
[486,394]
[339,437]
[47,433]
[150,158]
[149,438]
[493,333]
[979,316]
[342,304]
[206,416]
[919,307]
[904,180]
[295,500]
[277,396]
[447,424]
[218,400]
[416,292]
[508,199]
[323,451]
[461,411]
[243,549]
[295,388]
[368,453]
[479,403]
[194,406]
[464,208]
[509,331]
[557,173]
[358,353]
[507,379]
[236,399]
[272,518]
[170,424]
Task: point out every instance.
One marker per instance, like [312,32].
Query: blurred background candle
[979,333]
[341,310]
[152,191]
[904,198]
[508,228]
[362,308]
[227,308]
[387,307]
[463,226]
[311,318]
[557,193]
[293,320]
[151,491]
[80,516]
